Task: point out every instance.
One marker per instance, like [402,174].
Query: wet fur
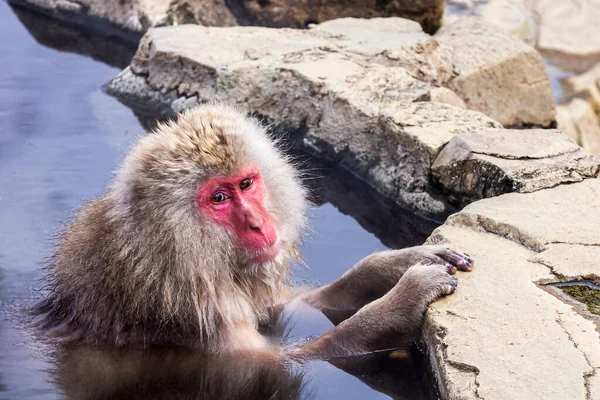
[141,265]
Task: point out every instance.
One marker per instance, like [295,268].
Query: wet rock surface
[488,163]
[502,336]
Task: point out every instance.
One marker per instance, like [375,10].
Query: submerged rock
[501,336]
[484,164]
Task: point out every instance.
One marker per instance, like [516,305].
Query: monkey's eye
[246,183]
[219,197]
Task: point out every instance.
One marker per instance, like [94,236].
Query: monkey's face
[211,192]
[238,203]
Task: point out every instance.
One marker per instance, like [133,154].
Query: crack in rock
[588,374]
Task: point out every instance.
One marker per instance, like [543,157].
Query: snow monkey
[191,246]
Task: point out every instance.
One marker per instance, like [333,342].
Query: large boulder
[483,164]
[496,74]
[503,334]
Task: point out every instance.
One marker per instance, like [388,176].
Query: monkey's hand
[376,275]
[392,320]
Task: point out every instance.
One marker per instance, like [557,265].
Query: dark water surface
[60,139]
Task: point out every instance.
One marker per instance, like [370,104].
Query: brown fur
[141,264]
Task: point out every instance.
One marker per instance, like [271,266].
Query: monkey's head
[212,189]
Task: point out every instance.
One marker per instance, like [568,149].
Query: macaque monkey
[191,246]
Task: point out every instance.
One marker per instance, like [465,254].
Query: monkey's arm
[375,275]
[390,321]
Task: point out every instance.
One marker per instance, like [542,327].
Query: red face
[237,203]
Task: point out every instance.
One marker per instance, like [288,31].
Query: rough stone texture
[568,33]
[577,118]
[496,74]
[483,164]
[349,100]
[301,13]
[501,336]
[129,19]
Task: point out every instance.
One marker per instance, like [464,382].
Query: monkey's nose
[255,223]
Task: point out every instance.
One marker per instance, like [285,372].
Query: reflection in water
[67,38]
[83,372]
[395,226]
[88,372]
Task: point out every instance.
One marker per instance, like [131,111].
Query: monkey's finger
[451,287]
[451,269]
[460,260]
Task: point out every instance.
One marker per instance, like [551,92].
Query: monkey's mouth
[266,254]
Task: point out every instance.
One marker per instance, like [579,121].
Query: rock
[496,74]
[488,163]
[568,33]
[332,85]
[446,96]
[502,335]
[129,19]
[444,61]
[585,85]
[517,17]
[202,12]
[578,119]
[301,13]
